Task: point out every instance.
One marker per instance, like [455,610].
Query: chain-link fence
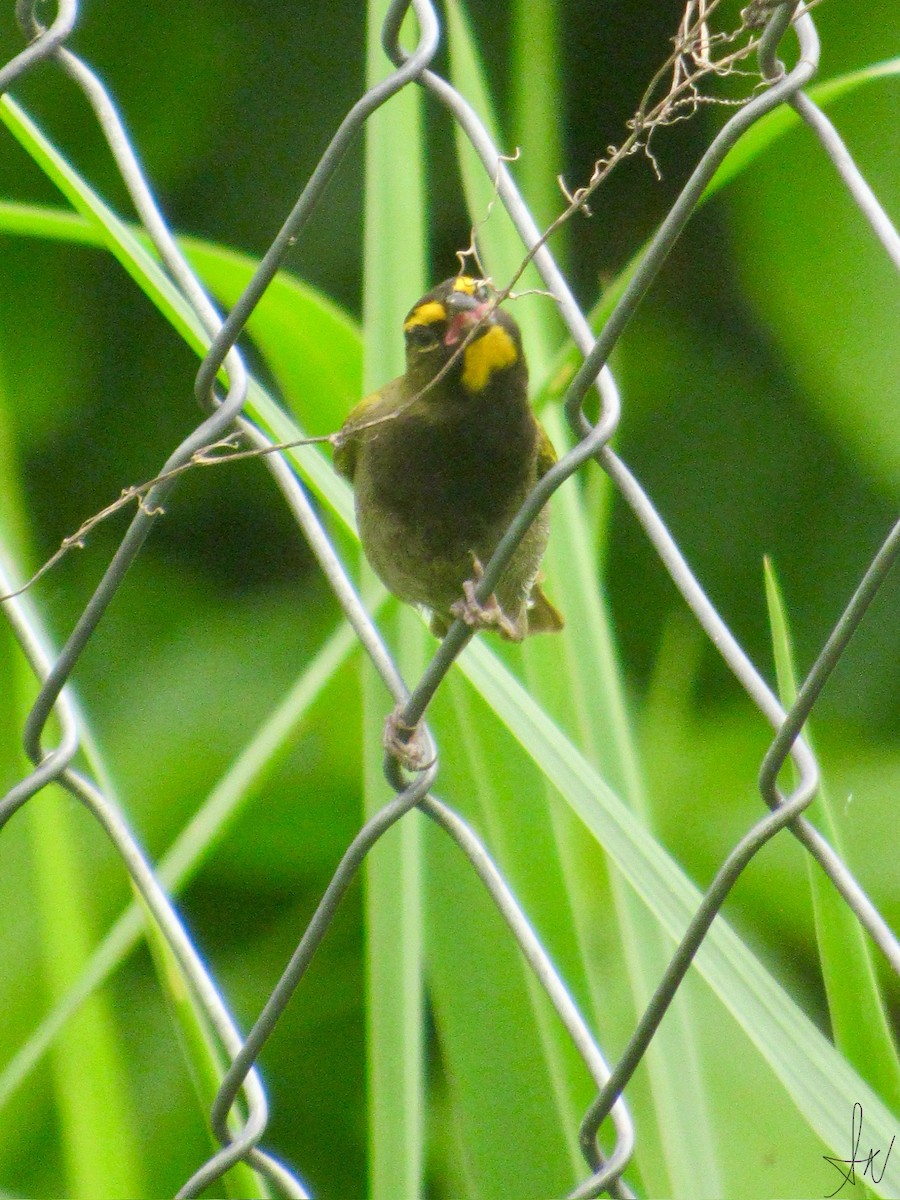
[238,422]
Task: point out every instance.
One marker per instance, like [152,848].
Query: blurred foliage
[760,413]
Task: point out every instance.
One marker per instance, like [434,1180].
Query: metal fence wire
[241,1127]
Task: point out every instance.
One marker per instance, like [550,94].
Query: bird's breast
[455,472]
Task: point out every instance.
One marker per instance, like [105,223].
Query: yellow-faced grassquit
[441,460]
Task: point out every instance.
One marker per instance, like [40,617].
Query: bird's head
[437,329]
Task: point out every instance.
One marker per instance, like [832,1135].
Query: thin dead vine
[216,454]
[693,59]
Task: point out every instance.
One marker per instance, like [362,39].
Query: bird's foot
[486,615]
[406,743]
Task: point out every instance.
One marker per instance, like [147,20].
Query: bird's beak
[464,313]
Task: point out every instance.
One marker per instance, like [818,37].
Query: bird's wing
[546,455]
[364,416]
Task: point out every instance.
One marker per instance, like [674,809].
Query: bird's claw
[406,743]
[484,615]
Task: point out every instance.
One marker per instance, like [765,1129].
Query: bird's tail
[543,616]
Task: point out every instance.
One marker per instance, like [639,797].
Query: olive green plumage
[441,465]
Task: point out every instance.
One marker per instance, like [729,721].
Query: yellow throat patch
[491,352]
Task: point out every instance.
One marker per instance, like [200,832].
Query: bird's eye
[422,336]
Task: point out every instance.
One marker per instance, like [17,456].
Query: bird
[441,460]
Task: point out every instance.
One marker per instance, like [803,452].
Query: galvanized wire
[25,625]
[44,41]
[239,1140]
[784,811]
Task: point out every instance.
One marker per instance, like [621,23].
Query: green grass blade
[860,1024]
[587,701]
[473,958]
[98,1134]
[539,107]
[115,235]
[309,344]
[203,1058]
[782,120]
[513,1080]
[541,330]
[92,1091]
[395,1010]
[191,849]
[395,275]
[821,1083]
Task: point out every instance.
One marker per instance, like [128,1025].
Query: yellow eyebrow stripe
[491,352]
[465,284]
[426,314]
